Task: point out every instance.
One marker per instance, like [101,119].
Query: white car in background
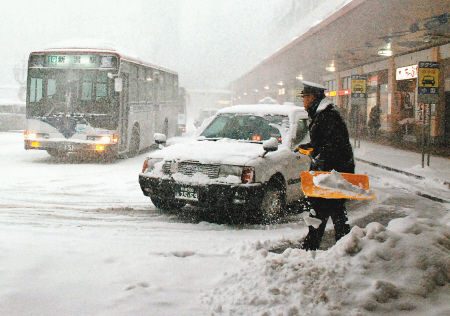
[241,165]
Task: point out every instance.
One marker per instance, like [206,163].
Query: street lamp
[385,51]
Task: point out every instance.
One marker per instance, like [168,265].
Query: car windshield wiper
[208,138]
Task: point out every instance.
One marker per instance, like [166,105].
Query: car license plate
[186,193]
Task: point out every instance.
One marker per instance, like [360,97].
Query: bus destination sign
[73,60]
[81,61]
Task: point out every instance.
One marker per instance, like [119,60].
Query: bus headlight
[105,139]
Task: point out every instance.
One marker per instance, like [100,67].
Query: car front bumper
[214,195]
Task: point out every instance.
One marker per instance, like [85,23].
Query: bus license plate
[186,193]
[68,147]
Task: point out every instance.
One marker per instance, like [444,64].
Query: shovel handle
[305,151]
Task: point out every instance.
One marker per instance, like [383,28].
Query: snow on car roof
[264,109]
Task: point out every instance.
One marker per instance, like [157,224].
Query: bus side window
[141,84]
[133,89]
[149,85]
[35,89]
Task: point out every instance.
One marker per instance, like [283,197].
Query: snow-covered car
[241,164]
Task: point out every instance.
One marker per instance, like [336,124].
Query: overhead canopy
[352,37]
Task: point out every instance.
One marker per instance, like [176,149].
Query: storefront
[403,113]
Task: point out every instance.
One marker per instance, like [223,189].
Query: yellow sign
[429,77]
[358,86]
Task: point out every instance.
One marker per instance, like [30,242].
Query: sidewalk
[403,160]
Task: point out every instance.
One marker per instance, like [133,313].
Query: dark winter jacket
[329,139]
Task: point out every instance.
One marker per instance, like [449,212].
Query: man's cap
[312,88]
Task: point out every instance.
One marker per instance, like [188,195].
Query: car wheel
[272,204]
[134,142]
[165,204]
[57,153]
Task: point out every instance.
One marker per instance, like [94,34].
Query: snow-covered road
[81,239]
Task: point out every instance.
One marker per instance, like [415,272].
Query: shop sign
[408,72]
[428,77]
[423,113]
[372,81]
[344,92]
[359,86]
[330,93]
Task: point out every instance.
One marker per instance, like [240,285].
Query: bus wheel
[134,142]
[57,153]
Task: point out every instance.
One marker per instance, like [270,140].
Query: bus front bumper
[64,146]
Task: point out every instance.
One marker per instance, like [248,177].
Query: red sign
[344,92]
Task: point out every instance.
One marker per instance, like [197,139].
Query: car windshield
[246,127]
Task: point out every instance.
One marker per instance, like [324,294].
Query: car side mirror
[270,145]
[159,138]
[118,84]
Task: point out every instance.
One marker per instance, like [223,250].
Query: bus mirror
[118,84]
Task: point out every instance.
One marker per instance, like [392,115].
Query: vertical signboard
[428,96]
[359,86]
[428,79]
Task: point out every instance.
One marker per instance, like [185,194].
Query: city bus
[97,101]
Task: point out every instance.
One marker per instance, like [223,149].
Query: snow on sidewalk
[408,161]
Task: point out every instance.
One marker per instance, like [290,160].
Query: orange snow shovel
[343,185]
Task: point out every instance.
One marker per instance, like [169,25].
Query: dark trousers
[324,208]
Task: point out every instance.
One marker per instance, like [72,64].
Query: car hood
[224,151]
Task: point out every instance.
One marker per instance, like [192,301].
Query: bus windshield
[83,92]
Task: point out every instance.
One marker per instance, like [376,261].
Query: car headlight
[230,170]
[149,164]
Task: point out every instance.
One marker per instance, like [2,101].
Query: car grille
[189,168]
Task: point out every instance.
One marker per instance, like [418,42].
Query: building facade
[380,42]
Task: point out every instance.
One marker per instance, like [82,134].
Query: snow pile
[377,269]
[335,181]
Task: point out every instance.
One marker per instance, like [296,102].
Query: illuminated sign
[80,61]
[344,92]
[372,81]
[404,73]
[428,78]
[359,88]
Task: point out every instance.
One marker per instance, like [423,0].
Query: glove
[304,149]
[317,164]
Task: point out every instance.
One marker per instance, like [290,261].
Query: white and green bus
[97,101]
